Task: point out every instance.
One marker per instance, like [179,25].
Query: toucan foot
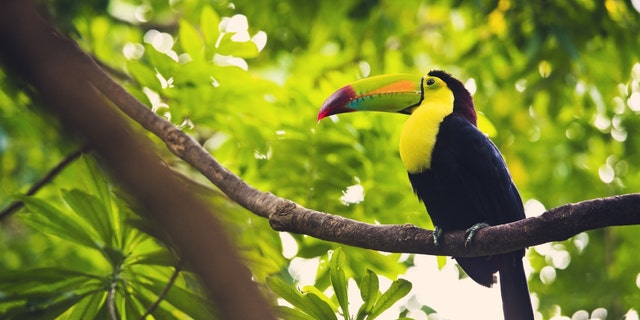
[471,232]
[437,233]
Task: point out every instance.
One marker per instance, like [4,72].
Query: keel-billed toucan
[454,168]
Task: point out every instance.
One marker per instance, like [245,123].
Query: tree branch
[556,224]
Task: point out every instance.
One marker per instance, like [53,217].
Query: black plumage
[468,183]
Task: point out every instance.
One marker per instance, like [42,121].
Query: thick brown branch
[556,224]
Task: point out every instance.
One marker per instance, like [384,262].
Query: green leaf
[187,301]
[339,281]
[317,307]
[283,312]
[92,210]
[96,182]
[50,220]
[209,21]
[46,305]
[246,49]
[144,75]
[312,289]
[88,307]
[160,257]
[369,291]
[286,291]
[190,40]
[397,291]
[309,303]
[442,261]
[33,278]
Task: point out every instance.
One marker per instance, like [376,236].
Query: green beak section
[387,93]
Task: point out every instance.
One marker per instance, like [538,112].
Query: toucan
[454,169]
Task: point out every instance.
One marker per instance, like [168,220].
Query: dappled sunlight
[556,88]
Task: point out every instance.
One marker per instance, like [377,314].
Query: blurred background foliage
[558,84]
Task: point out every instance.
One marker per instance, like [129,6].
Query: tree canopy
[557,86]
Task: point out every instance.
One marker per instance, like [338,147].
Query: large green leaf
[42,277]
[46,304]
[209,21]
[317,307]
[48,219]
[283,312]
[190,40]
[245,49]
[339,281]
[286,291]
[396,291]
[94,212]
[189,302]
[96,182]
[88,307]
[369,291]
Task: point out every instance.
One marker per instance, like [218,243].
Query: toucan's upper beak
[389,93]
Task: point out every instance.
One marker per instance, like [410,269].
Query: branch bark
[556,224]
[284,215]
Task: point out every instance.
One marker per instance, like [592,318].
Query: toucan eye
[430,82]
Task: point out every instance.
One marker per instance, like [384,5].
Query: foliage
[314,304]
[559,82]
[116,269]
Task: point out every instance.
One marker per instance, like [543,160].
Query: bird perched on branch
[454,168]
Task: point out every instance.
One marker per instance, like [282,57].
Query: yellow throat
[418,135]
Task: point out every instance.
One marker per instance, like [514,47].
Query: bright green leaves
[45,293]
[311,303]
[110,258]
[396,291]
[191,41]
[308,304]
[374,302]
[209,21]
[339,281]
[48,219]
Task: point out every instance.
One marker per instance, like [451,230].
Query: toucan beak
[387,93]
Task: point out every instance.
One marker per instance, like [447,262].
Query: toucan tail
[516,302]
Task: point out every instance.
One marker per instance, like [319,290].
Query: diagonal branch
[556,224]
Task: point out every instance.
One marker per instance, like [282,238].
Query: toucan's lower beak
[388,93]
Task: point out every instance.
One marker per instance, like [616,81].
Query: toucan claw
[437,233]
[471,232]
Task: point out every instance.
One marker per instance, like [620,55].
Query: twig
[17,205]
[164,291]
[111,295]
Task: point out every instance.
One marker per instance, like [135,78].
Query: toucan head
[401,93]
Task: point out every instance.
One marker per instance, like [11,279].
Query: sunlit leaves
[557,85]
[311,302]
[132,271]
